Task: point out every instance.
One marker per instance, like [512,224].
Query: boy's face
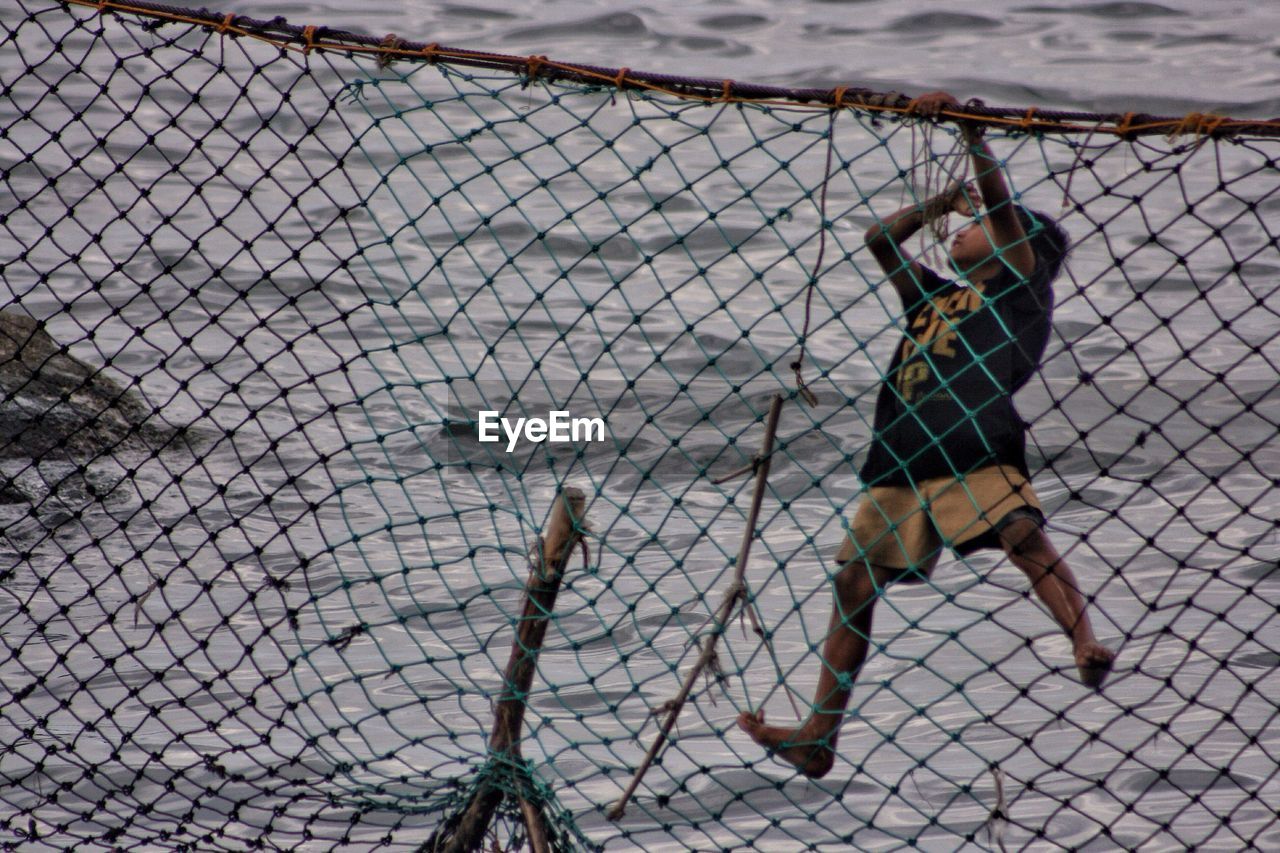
[971,247]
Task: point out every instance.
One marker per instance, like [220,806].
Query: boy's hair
[1049,241]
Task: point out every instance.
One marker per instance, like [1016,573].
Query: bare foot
[1094,662]
[812,756]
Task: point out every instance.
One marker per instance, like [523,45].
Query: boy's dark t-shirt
[946,404]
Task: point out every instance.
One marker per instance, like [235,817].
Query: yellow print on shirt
[933,329]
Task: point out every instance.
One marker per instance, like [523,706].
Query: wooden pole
[735,593]
[563,533]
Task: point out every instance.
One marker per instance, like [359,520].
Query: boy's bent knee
[1022,531]
[851,577]
[857,580]
[849,552]
[861,581]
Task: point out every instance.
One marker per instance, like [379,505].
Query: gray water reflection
[339,589]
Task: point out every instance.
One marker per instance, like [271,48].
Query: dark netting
[263,584]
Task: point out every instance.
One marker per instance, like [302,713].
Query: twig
[999,816]
[735,593]
[749,468]
[758,630]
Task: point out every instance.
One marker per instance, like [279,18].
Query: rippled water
[1175,57]
[331,515]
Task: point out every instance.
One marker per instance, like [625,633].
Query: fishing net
[263,584]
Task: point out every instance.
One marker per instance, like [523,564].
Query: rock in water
[52,405]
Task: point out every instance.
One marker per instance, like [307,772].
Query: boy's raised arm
[886,237]
[1003,225]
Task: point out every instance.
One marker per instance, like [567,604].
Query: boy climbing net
[947,464]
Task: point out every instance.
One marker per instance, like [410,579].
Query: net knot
[802,390]
[1198,124]
[390,45]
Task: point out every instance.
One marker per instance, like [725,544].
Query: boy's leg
[890,529]
[996,506]
[1053,581]
[811,745]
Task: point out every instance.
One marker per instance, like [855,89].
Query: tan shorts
[905,527]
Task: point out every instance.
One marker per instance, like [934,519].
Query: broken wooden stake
[563,533]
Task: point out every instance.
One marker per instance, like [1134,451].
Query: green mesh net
[263,584]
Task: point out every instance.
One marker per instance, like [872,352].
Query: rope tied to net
[1125,127]
[1200,125]
[431,53]
[308,39]
[619,82]
[227,21]
[390,45]
[726,90]
[797,366]
[1028,118]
